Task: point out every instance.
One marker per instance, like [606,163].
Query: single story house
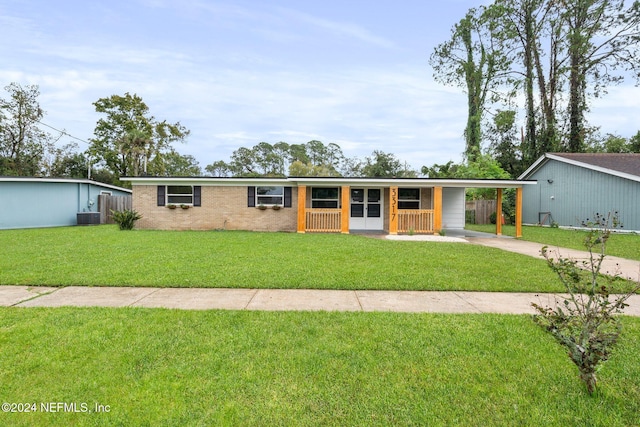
[308,204]
[573,187]
[27,202]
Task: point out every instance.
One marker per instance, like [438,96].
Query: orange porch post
[519,212]
[344,216]
[302,205]
[393,210]
[499,212]
[437,209]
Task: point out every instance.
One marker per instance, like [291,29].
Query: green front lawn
[624,245]
[179,368]
[105,256]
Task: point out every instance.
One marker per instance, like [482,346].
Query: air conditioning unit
[88,218]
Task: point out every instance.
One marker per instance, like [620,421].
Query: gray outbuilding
[27,202]
[574,187]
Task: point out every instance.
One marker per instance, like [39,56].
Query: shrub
[584,322]
[125,219]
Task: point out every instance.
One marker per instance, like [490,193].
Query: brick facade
[223,208]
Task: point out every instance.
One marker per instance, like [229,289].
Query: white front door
[366,209]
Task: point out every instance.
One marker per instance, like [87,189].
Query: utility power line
[64,133]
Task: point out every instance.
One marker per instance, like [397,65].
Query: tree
[218,168]
[634,143]
[385,165]
[67,162]
[177,164]
[282,152]
[584,322]
[243,163]
[271,160]
[616,144]
[475,59]
[611,144]
[527,25]
[447,170]
[313,158]
[298,152]
[299,168]
[326,158]
[129,141]
[484,167]
[505,147]
[22,143]
[577,47]
[316,152]
[262,159]
[602,36]
[104,175]
[351,167]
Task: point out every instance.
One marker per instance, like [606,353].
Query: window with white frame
[408,198]
[180,194]
[325,197]
[270,195]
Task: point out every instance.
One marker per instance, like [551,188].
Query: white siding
[453,207]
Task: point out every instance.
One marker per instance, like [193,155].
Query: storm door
[366,209]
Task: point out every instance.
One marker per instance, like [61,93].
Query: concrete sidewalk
[282,299]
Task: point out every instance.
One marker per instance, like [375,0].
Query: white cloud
[238,79]
[361,110]
[341,29]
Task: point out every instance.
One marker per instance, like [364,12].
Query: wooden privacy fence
[415,220]
[482,209]
[323,220]
[107,203]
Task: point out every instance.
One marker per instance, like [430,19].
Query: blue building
[573,187]
[27,202]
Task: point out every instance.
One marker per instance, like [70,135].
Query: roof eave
[315,181]
[62,180]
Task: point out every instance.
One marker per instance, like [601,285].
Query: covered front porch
[393,206]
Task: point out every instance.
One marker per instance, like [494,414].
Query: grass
[176,368]
[622,245]
[105,256]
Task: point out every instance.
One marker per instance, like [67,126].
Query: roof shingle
[628,163]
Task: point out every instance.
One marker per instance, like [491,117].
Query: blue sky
[236,73]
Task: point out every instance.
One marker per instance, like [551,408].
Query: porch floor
[457,232]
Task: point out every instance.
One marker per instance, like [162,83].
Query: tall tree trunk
[473,130]
[576,105]
[576,17]
[530,152]
[475,100]
[548,86]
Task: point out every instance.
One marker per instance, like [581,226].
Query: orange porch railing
[415,220]
[323,220]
